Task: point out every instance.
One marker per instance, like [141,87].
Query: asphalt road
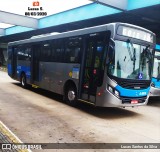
[39,116]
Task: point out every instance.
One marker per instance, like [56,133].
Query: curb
[7,133]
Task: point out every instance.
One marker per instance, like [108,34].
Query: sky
[49,6]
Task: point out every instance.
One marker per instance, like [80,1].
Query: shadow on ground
[154,101]
[101,112]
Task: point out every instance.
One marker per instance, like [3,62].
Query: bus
[108,65]
[155,84]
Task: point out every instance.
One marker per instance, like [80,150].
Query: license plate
[134,101]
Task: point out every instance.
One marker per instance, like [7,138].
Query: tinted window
[24,53]
[73,49]
[45,52]
[57,51]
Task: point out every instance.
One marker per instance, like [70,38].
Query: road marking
[7,132]
[86,101]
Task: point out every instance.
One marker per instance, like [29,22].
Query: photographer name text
[139,146]
[36,10]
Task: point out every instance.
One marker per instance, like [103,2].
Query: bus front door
[93,67]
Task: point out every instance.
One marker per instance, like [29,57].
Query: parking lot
[39,116]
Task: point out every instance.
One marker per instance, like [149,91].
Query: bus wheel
[23,81]
[71,96]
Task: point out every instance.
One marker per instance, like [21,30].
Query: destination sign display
[135,33]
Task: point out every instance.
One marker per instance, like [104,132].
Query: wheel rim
[71,95]
[23,81]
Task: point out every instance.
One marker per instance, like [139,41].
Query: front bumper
[109,100]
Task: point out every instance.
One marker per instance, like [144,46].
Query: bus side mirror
[111,51]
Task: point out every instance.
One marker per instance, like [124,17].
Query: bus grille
[128,100]
[131,84]
[135,84]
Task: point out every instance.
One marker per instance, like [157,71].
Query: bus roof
[88,30]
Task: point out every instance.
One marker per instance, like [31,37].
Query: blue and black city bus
[155,85]
[108,65]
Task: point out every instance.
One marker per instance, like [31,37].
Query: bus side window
[73,49]
[28,53]
[20,53]
[57,50]
[46,52]
[53,52]
[24,53]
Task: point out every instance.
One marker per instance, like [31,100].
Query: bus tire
[71,96]
[23,81]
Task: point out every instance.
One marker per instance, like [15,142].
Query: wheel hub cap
[23,81]
[71,95]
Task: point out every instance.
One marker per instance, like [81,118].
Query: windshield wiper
[133,53]
[147,52]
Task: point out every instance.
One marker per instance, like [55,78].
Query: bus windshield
[156,68]
[131,61]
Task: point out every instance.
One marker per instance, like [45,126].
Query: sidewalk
[7,138]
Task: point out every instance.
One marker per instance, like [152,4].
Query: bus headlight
[116,93]
[110,89]
[152,84]
[113,91]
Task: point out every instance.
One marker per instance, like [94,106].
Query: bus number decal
[75,73]
[142,93]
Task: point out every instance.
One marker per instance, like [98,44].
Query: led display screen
[135,33]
